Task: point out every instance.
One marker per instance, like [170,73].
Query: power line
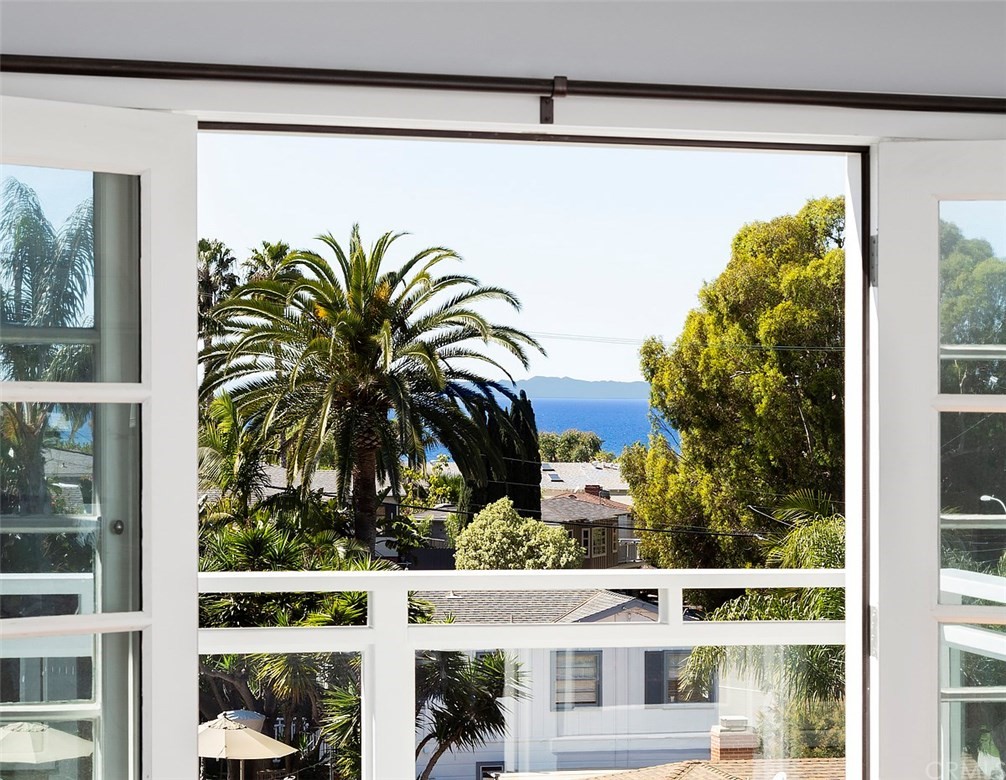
[684,529]
[635,342]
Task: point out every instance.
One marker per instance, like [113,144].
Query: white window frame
[565,706]
[160,150]
[907,578]
[400,110]
[598,541]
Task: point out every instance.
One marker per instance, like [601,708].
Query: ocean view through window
[579,303]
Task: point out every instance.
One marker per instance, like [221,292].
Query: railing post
[389,689]
[670,606]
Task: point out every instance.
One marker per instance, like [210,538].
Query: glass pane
[307,706]
[543,711]
[69,275]
[973,296]
[972,508]
[95,734]
[973,695]
[69,508]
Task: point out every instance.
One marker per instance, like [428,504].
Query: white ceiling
[948,47]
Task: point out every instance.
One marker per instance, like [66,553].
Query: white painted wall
[621,733]
[920,46]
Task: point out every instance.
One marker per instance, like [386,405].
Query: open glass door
[97,459]
[939,535]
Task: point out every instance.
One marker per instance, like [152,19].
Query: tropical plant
[810,679]
[268,261]
[499,538]
[232,460]
[379,361]
[45,278]
[216,280]
[459,706]
[516,473]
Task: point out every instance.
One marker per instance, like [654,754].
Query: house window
[577,679]
[585,539]
[662,671]
[490,771]
[598,542]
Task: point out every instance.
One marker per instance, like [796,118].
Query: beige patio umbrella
[225,738]
[28,742]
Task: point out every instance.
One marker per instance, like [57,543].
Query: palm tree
[814,538]
[232,460]
[216,280]
[458,700]
[377,361]
[458,707]
[45,277]
[267,262]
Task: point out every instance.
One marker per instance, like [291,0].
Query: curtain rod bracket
[560,88]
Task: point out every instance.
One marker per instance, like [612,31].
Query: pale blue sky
[611,242]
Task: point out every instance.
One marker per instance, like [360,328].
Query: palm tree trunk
[365,496]
[441,749]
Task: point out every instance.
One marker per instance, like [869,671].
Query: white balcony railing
[388,643]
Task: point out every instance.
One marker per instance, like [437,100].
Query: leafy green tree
[381,362]
[754,386]
[572,446]
[430,488]
[499,538]
[973,446]
[972,309]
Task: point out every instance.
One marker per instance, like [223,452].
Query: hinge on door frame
[874,261]
[873,639]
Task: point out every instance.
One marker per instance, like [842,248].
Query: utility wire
[722,345]
[684,529]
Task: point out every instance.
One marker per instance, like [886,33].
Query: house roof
[565,509]
[757,769]
[67,463]
[590,498]
[537,606]
[573,477]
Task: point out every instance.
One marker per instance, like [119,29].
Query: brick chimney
[732,740]
[594,490]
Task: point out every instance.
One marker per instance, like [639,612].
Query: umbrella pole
[242,765]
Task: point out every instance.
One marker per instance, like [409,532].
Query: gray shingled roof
[536,606]
[67,463]
[564,509]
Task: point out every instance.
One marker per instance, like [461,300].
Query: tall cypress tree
[516,474]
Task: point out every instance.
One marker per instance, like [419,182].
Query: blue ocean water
[618,423]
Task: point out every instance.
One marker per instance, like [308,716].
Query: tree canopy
[377,360]
[572,446]
[973,445]
[499,538]
[754,388]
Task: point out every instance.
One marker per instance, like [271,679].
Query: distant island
[564,387]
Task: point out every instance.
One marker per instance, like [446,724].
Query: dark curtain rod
[556,87]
